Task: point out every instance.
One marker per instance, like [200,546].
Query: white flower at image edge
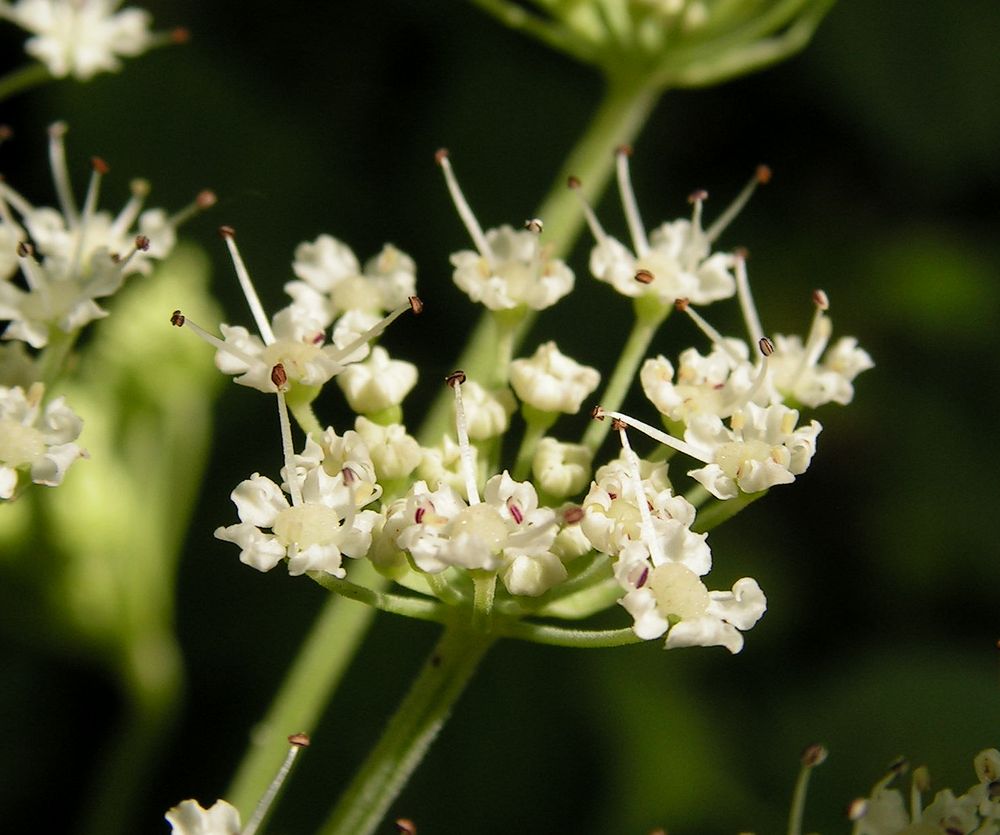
[35,438]
[80,37]
[189,818]
[312,535]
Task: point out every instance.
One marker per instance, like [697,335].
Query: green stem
[410,732]
[621,115]
[542,633]
[647,321]
[307,688]
[722,510]
[24,78]
[126,767]
[537,424]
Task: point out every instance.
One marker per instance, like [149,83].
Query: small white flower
[514,272]
[378,383]
[73,256]
[36,439]
[332,278]
[509,269]
[761,448]
[81,37]
[394,453]
[442,464]
[506,531]
[800,373]
[189,818]
[487,413]
[712,384]
[561,469]
[672,262]
[552,382]
[335,478]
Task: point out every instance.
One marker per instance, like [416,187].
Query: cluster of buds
[550,534]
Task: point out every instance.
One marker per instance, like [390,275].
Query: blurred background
[880,565]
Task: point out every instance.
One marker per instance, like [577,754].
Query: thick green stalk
[410,732]
[315,674]
[646,324]
[622,113]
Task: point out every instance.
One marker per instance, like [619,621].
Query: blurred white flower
[81,37]
[189,818]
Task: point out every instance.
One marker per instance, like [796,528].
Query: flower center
[732,456]
[307,525]
[482,522]
[678,591]
[20,444]
[294,356]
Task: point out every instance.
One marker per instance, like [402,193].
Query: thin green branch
[396,604]
[23,78]
[560,636]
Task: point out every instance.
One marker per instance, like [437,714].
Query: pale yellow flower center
[481,521]
[678,591]
[307,525]
[20,444]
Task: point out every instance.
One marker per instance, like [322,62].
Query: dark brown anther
[205,199]
[573,182]
[642,578]
[821,300]
[24,249]
[141,242]
[299,740]
[279,377]
[177,319]
[697,195]
[404,826]
[814,755]
[900,765]
[623,150]
[742,253]
[534,225]
[766,346]
[440,155]
[618,424]
[572,515]
[416,305]
[99,165]
[227,232]
[681,304]
[597,413]
[644,277]
[6,132]
[456,378]
[179,35]
[115,258]
[763,174]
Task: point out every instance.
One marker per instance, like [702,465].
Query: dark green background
[880,565]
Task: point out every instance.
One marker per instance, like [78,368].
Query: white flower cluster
[450,521]
[71,256]
[887,811]
[81,37]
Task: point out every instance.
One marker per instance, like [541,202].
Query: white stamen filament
[658,435]
[714,336]
[592,222]
[464,446]
[34,280]
[819,335]
[465,211]
[648,531]
[256,308]
[89,207]
[372,333]
[630,206]
[750,317]
[734,208]
[60,174]
[221,345]
[288,451]
[752,391]
[264,804]
[130,211]
[34,276]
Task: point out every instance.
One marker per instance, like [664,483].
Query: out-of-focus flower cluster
[887,811]
[55,264]
[553,533]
